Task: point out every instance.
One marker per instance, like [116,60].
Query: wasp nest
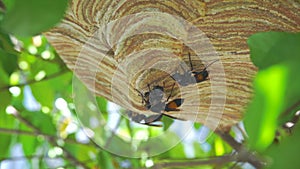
[119,48]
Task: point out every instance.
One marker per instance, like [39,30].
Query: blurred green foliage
[277,95]
[28,18]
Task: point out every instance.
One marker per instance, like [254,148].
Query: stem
[33,134]
[27,157]
[289,109]
[243,154]
[196,162]
[2,7]
[13,131]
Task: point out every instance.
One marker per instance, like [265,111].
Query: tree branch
[32,81]
[244,155]
[27,157]
[289,109]
[13,131]
[196,162]
[33,134]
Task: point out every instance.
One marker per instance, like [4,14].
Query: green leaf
[41,121]
[9,61]
[176,152]
[262,114]
[44,93]
[128,126]
[219,147]
[27,18]
[105,160]
[83,153]
[197,125]
[276,85]
[199,152]
[5,99]
[29,143]
[6,44]
[285,155]
[135,163]
[42,65]
[167,121]
[6,121]
[102,105]
[4,78]
[9,4]
[267,49]
[5,142]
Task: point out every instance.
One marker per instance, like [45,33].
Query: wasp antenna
[210,64]
[148,87]
[140,93]
[173,78]
[191,64]
[171,92]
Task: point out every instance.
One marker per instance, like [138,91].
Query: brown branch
[33,134]
[244,155]
[13,131]
[32,81]
[196,162]
[27,123]
[27,157]
[52,140]
[289,109]
[2,6]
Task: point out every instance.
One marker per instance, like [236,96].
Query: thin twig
[23,120]
[196,162]
[32,81]
[243,154]
[33,134]
[17,158]
[289,109]
[2,7]
[13,131]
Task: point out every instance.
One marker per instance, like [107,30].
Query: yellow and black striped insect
[192,76]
